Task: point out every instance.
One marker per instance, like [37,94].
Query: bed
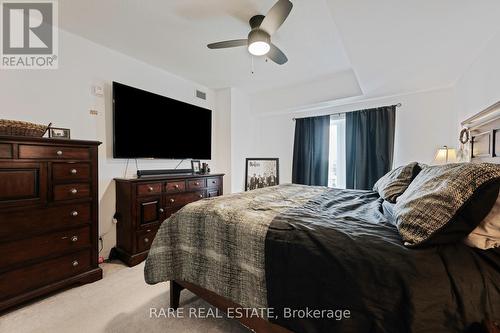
[328,260]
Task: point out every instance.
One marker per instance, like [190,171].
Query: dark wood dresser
[143,204]
[48,216]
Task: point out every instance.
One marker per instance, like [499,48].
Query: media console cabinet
[142,204]
[48,216]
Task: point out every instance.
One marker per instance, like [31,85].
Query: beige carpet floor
[120,302]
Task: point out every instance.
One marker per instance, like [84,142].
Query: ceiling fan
[259,38]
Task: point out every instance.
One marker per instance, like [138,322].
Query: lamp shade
[445,155]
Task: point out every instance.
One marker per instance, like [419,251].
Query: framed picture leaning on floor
[261,172]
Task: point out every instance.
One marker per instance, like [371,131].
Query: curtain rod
[339,113]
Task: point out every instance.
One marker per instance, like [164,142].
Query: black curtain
[311,150]
[369,146]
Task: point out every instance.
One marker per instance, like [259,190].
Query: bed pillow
[487,234]
[445,203]
[395,182]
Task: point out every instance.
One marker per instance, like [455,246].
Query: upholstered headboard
[484,135]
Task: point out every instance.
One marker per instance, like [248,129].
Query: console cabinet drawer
[26,279]
[53,152]
[70,171]
[38,247]
[150,210]
[183,199]
[195,184]
[145,238]
[30,221]
[149,189]
[71,191]
[214,182]
[175,187]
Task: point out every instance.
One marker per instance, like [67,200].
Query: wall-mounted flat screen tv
[147,125]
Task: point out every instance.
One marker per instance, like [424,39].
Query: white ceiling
[173,35]
[392,46]
[400,46]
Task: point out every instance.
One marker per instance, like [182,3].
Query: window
[337,157]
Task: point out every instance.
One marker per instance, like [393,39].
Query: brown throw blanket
[218,243]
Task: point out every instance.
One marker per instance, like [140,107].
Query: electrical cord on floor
[101,237]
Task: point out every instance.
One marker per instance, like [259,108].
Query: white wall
[479,86]
[243,138]
[425,121]
[64,98]
[327,88]
[222,133]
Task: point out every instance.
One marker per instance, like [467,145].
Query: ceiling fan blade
[276,16]
[276,55]
[228,43]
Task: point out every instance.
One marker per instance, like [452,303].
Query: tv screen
[147,125]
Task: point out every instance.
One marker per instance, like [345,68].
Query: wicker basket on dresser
[48,216]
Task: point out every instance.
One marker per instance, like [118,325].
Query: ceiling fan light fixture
[259,38]
[259,48]
[259,42]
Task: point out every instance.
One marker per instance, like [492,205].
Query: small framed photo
[196,166]
[261,172]
[59,133]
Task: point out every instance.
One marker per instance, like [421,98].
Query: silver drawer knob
[197,184]
[74,239]
[150,189]
[172,200]
[146,240]
[75,263]
[176,186]
[59,153]
[74,171]
[73,191]
[74,213]
[200,196]
[161,210]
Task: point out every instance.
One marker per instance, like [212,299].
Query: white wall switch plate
[97,90]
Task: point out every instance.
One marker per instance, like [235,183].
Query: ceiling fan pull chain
[253,68]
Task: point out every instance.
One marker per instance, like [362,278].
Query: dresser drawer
[22,184]
[6,150]
[71,191]
[53,152]
[19,184]
[194,184]
[31,277]
[145,238]
[70,171]
[149,189]
[44,245]
[214,182]
[183,199]
[175,187]
[28,221]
